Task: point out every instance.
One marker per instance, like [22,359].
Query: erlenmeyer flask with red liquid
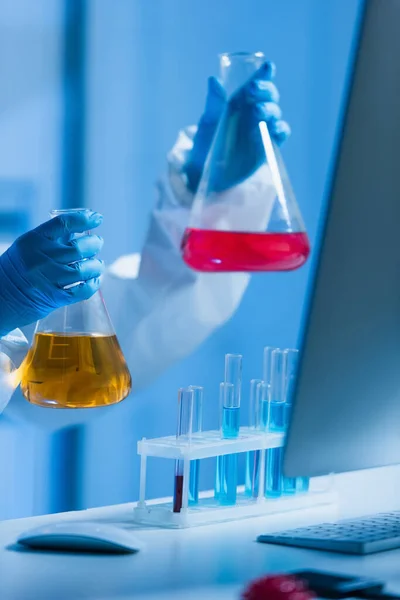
[244,216]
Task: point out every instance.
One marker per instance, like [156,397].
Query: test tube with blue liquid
[276,423]
[302,484]
[183,434]
[253,457]
[292,485]
[197,427]
[261,462]
[227,465]
[267,364]
[265,391]
[264,400]
[290,366]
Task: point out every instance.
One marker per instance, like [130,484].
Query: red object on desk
[277,587]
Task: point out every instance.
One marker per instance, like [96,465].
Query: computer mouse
[81,536]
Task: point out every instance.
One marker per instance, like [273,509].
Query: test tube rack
[209,444]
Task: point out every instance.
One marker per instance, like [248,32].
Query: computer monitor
[346,401]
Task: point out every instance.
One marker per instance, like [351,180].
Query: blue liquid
[274,457]
[230,422]
[227,467]
[226,483]
[253,458]
[275,482]
[273,473]
[248,483]
[277,417]
[194,482]
[252,473]
[289,485]
[303,484]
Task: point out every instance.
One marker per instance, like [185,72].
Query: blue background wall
[146,69]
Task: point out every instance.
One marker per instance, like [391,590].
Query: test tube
[198,393]
[253,457]
[289,483]
[264,399]
[298,484]
[264,404]
[227,467]
[276,423]
[302,485]
[267,363]
[233,375]
[290,365]
[184,434]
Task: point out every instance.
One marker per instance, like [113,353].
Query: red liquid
[212,251]
[178,493]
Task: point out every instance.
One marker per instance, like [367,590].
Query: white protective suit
[161,309]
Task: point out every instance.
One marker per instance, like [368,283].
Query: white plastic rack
[209,444]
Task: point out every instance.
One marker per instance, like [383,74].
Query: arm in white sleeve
[161,309]
[13,348]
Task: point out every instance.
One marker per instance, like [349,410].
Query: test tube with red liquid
[183,434]
[190,403]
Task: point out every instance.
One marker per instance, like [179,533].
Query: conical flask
[75,360]
[244,216]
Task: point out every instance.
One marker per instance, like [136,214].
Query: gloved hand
[40,263]
[256,101]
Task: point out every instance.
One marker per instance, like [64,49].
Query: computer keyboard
[364,535]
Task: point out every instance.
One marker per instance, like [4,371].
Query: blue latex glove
[256,101]
[40,263]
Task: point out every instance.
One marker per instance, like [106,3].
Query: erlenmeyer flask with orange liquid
[75,360]
[244,215]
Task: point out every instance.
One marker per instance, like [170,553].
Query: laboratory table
[213,561]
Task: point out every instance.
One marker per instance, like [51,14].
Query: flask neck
[237,67]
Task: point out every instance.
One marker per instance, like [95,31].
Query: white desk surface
[203,562]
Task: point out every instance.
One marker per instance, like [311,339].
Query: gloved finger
[80,271]
[260,90]
[83,291]
[69,223]
[264,74]
[215,102]
[208,123]
[78,248]
[280,131]
[267,71]
[268,111]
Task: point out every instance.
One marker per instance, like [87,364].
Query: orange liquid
[75,371]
